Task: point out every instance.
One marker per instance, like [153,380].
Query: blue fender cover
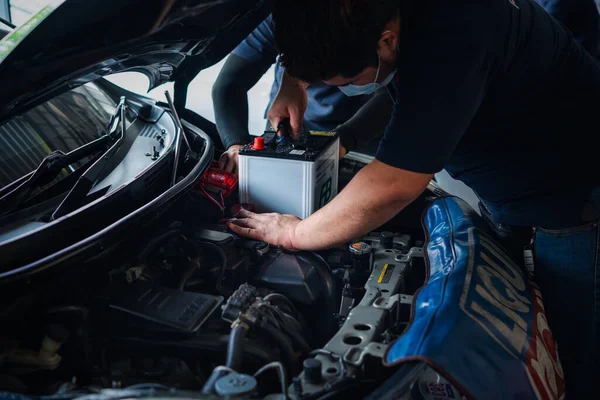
[478,321]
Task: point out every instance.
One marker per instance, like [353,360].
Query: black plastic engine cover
[291,274]
[179,310]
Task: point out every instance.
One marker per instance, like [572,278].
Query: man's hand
[291,102]
[342,151]
[275,229]
[229,160]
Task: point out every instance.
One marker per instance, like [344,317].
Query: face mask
[357,90]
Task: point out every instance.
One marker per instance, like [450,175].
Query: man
[360,120]
[581,18]
[500,95]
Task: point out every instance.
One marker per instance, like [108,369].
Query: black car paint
[167,41]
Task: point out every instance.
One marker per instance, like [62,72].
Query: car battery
[278,174]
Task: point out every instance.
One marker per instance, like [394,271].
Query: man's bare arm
[373,197]
[376,194]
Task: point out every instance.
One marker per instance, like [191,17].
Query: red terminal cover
[259,143]
[217,180]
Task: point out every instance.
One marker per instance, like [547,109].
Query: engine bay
[195,309]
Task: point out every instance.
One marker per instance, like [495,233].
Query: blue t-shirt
[327,107]
[501,96]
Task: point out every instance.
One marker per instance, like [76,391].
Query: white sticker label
[297,152]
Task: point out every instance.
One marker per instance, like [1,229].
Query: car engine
[200,310]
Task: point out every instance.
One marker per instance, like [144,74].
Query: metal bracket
[387,303]
[356,356]
[413,252]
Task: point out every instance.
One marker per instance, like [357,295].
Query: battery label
[321,133]
[386,273]
[297,152]
[326,167]
[325,194]
[327,171]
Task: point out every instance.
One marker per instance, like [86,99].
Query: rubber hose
[279,297]
[299,340]
[147,386]
[288,312]
[293,322]
[293,329]
[188,273]
[219,285]
[287,352]
[235,352]
[293,334]
[82,311]
[149,247]
[205,345]
[192,283]
[209,386]
[235,348]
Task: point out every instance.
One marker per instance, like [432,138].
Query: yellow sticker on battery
[321,133]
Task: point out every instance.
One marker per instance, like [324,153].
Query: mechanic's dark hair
[320,39]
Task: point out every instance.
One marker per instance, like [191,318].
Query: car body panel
[167,41]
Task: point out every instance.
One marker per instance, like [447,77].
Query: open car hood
[72,42]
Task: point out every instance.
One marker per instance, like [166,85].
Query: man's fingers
[296,123]
[246,222]
[275,121]
[342,151]
[223,160]
[275,114]
[243,213]
[231,165]
[244,231]
[248,218]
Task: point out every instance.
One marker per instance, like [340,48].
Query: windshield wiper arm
[88,179]
[53,163]
[119,113]
[46,172]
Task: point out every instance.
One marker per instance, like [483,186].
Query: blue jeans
[567,270]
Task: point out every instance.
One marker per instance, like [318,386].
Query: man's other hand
[229,160]
[343,151]
[275,229]
[291,102]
